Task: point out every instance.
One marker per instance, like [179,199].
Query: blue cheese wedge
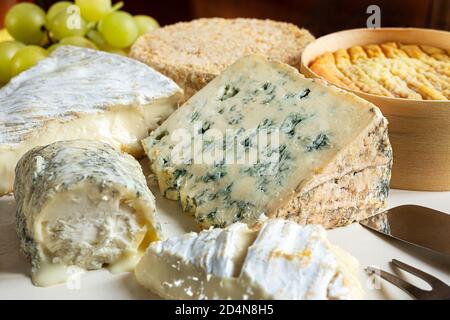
[80,93]
[330,163]
[282,260]
[81,203]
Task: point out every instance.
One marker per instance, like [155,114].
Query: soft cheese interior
[81,203]
[332,160]
[79,93]
[88,229]
[281,261]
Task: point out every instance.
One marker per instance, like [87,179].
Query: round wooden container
[419,130]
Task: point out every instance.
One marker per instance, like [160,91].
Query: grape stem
[117,6]
[114,8]
[91,25]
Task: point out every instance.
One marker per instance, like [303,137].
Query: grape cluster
[95,24]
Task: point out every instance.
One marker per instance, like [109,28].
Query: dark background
[319,16]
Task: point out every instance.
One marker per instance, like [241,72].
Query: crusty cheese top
[73,81]
[211,45]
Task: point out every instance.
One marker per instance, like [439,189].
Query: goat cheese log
[78,93]
[330,165]
[281,261]
[82,203]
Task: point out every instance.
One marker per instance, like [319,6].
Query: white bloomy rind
[78,93]
[282,260]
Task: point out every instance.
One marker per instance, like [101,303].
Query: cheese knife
[419,226]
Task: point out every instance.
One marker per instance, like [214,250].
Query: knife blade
[420,226]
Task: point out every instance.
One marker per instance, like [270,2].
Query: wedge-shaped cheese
[80,93]
[82,203]
[329,163]
[281,261]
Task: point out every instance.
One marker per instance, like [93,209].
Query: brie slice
[78,93]
[282,260]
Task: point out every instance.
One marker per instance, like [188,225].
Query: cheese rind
[82,203]
[283,260]
[193,53]
[333,161]
[79,93]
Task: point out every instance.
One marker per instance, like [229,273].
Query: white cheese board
[369,248]
[264,206]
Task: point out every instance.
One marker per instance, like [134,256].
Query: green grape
[67,23]
[53,47]
[26,58]
[26,23]
[78,42]
[119,29]
[121,52]
[7,51]
[115,8]
[97,38]
[146,24]
[94,10]
[57,8]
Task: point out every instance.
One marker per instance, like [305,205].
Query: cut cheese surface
[81,203]
[282,260]
[327,161]
[80,93]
